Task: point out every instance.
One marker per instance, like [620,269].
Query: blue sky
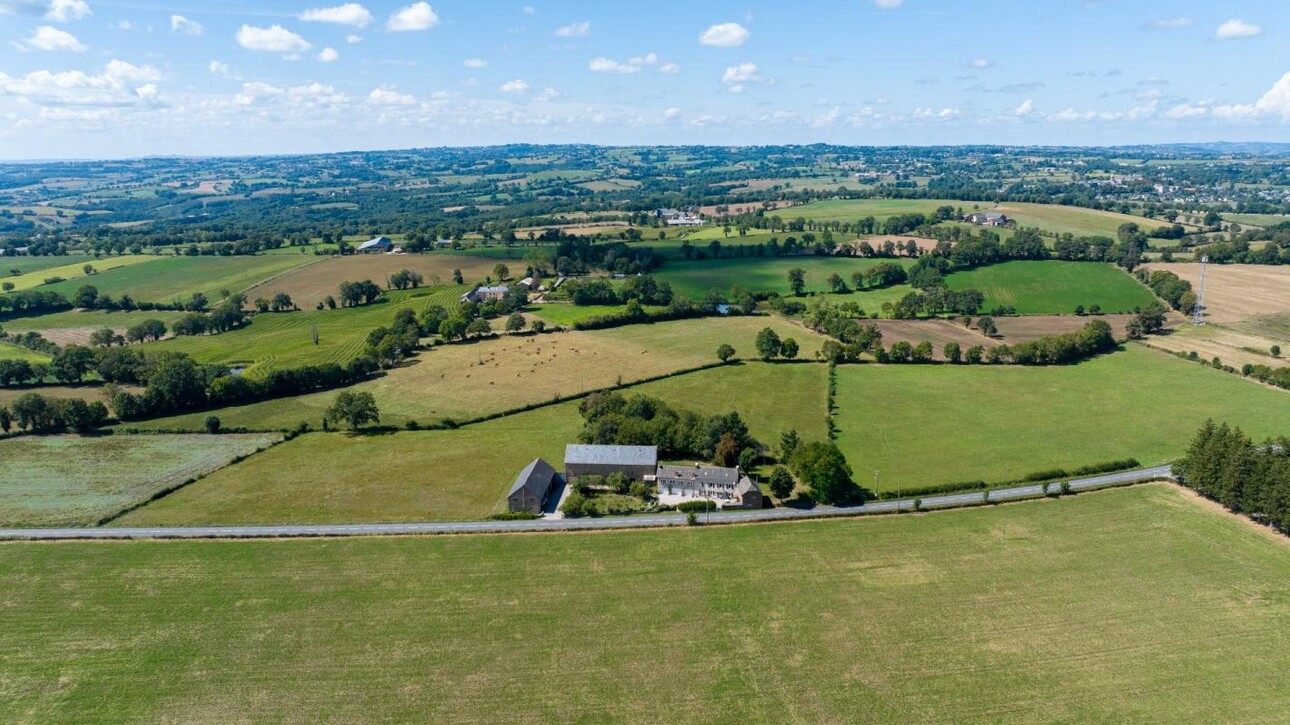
[83,78]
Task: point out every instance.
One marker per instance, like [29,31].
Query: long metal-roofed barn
[532,487]
[636,462]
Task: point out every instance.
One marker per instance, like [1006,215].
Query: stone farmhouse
[483,294]
[728,487]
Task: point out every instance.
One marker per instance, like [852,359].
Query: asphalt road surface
[604,522]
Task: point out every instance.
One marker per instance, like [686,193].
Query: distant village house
[988,219]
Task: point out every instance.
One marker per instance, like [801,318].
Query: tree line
[1227,466]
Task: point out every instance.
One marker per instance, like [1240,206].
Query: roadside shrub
[693,506]
[515,516]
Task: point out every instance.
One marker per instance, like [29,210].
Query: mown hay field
[75,481]
[1131,605]
[169,279]
[1237,292]
[921,425]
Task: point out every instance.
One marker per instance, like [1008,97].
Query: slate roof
[536,478]
[712,475]
[610,455]
[377,242]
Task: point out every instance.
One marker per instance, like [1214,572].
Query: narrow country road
[566,524]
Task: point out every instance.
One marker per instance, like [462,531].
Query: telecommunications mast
[1198,313]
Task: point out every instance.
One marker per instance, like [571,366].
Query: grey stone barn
[728,487]
[637,462]
[532,487]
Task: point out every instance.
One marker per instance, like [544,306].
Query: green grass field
[87,318]
[27,264]
[9,351]
[407,476]
[1079,221]
[1258,220]
[75,481]
[1132,605]
[770,274]
[72,269]
[285,339]
[165,279]
[930,425]
[854,209]
[1052,287]
[771,397]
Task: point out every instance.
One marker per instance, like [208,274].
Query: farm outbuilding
[378,245]
[532,487]
[636,462]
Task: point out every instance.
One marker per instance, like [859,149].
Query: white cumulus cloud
[327,55]
[888,4]
[742,73]
[579,29]
[353,39]
[1235,29]
[390,96]
[1026,108]
[180,24]
[347,14]
[475,63]
[981,63]
[417,16]
[515,86]
[117,85]
[724,35]
[273,39]
[63,11]
[49,38]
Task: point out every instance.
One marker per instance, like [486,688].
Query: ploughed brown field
[310,284]
[937,332]
[1013,330]
[877,240]
[1234,292]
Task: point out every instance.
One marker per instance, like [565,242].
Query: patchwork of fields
[286,339]
[1050,218]
[491,376]
[75,481]
[1136,604]
[310,284]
